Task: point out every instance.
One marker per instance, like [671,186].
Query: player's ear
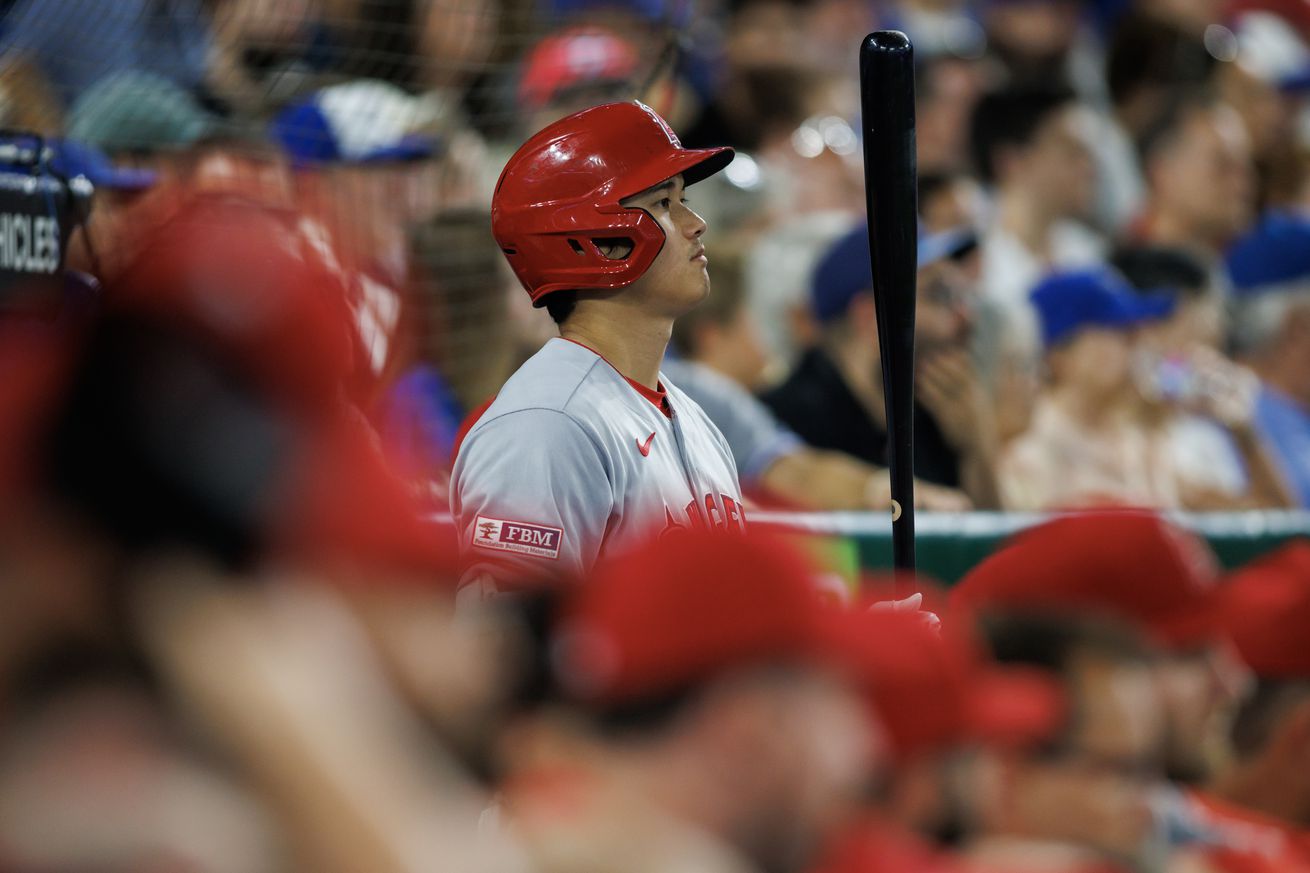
[614,248]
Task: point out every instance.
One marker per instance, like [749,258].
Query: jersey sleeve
[531,495]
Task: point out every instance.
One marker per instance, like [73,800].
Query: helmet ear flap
[614,248]
[603,249]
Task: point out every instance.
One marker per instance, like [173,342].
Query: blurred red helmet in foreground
[204,407]
[691,605]
[1128,565]
[1267,609]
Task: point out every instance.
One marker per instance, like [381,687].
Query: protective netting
[1066,133]
[382,123]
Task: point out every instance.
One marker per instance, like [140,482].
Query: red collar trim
[658,395]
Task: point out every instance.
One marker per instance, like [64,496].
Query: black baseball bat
[890,189]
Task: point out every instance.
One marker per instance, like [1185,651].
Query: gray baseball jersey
[571,462]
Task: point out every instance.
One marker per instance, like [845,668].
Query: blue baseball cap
[81,159]
[1073,300]
[361,122]
[1275,252]
[844,269]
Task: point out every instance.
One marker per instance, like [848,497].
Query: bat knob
[887,41]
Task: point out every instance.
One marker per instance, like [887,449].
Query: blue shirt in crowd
[75,47]
[1285,426]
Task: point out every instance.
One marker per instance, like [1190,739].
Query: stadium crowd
[269,305]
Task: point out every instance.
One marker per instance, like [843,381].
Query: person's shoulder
[696,379]
[684,403]
[553,379]
[809,384]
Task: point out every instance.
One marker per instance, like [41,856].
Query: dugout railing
[949,544]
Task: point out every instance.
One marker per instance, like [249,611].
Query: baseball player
[588,447]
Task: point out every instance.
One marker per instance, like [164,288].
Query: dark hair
[737,7]
[727,297]
[1167,129]
[1011,118]
[1254,724]
[933,182]
[1146,53]
[460,315]
[560,305]
[1155,268]
[656,713]
[1052,643]
[123,450]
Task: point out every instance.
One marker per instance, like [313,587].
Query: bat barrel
[890,168]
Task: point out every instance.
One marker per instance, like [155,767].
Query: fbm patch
[515,536]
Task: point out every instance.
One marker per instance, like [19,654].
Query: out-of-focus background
[249,297]
[1166,141]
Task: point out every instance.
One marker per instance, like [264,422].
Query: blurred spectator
[1191,445]
[27,102]
[941,697]
[1188,16]
[75,50]
[948,201]
[1030,146]
[258,48]
[466,345]
[1086,444]
[139,117]
[763,42]
[1034,40]
[721,734]
[456,42]
[946,87]
[1199,404]
[720,360]
[572,70]
[792,119]
[184,443]
[1264,787]
[834,397]
[719,333]
[1084,801]
[1159,579]
[242,162]
[355,147]
[1200,180]
[778,268]
[1266,82]
[107,239]
[1150,62]
[938,28]
[1270,273]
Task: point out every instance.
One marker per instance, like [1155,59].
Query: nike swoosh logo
[644,448]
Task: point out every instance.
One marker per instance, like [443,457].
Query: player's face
[944,318]
[1096,790]
[1209,178]
[1059,164]
[1097,362]
[1200,692]
[679,278]
[820,749]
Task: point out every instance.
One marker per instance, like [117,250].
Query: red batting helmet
[560,193]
